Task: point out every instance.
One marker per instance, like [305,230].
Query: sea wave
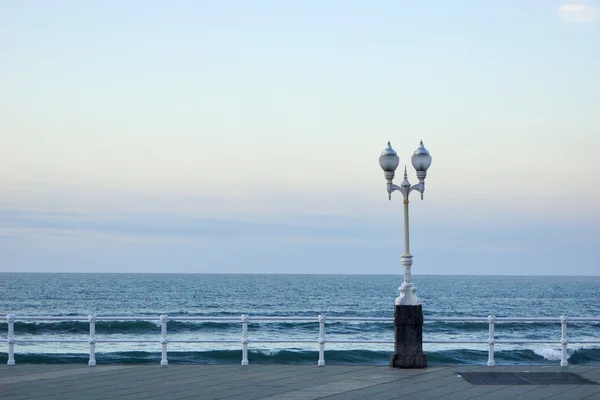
[589,356]
[174,326]
[309,329]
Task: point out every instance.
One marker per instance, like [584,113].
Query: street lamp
[421,160]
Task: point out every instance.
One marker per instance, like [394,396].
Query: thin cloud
[578,13]
[320,228]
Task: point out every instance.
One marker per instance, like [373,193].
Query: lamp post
[408,313]
[421,160]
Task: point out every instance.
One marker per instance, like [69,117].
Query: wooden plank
[134,382]
[580,392]
[543,392]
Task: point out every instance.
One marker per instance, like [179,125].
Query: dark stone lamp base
[408,337]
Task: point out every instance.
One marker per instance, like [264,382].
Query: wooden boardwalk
[49,382]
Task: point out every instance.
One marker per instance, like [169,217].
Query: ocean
[222,295]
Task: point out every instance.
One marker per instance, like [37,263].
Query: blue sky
[243,136]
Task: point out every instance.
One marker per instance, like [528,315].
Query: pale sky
[244,136]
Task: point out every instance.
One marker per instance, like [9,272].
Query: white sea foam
[548,354]
[270,352]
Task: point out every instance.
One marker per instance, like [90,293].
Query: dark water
[293,295]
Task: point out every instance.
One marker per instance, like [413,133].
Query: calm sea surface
[293,295]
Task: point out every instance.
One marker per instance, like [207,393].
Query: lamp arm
[405,190]
[419,187]
[393,188]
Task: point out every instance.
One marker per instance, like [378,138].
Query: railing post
[563,341]
[244,339]
[163,340]
[10,339]
[321,361]
[491,341]
[92,340]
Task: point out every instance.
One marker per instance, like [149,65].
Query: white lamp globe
[421,160]
[389,160]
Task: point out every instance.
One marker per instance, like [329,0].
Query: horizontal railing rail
[490,341]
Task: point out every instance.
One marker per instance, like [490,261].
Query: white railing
[491,341]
